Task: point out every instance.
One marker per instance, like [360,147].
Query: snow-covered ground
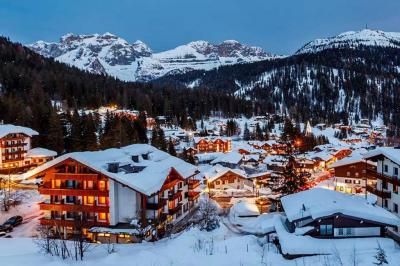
[194,247]
[29,210]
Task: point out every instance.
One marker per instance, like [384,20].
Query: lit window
[102,200]
[90,200]
[102,216]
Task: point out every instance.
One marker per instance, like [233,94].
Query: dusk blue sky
[278,26]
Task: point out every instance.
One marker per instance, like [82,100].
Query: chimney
[113,167]
[135,158]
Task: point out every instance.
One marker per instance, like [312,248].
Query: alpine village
[204,154]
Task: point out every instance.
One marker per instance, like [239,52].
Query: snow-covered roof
[357,158]
[232,157]
[211,138]
[202,157]
[148,180]
[318,202]
[245,146]
[251,157]
[12,129]
[389,152]
[40,152]
[217,171]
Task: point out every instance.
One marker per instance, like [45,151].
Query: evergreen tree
[154,137]
[258,133]
[75,134]
[291,181]
[171,148]
[89,137]
[161,139]
[55,135]
[246,132]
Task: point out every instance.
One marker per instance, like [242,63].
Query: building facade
[387,176]
[207,144]
[350,175]
[16,152]
[118,193]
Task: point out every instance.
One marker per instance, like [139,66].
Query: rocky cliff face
[112,55]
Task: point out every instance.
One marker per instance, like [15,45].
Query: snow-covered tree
[208,215]
[380,255]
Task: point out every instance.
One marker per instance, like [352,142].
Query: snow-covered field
[193,247]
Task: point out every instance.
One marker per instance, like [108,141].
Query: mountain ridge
[109,54]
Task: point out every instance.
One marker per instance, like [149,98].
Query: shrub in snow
[208,215]
[380,255]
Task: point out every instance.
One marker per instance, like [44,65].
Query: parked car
[13,221]
[2,234]
[5,228]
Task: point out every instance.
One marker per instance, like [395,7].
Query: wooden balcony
[70,223]
[73,192]
[390,179]
[193,183]
[72,207]
[380,193]
[193,195]
[155,206]
[13,145]
[72,176]
[172,211]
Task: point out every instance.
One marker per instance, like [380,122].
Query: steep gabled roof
[12,129]
[150,178]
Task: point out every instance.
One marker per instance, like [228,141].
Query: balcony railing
[73,176]
[156,206]
[54,221]
[380,193]
[172,211]
[77,207]
[390,179]
[193,183]
[73,192]
[193,195]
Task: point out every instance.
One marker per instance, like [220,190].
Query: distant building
[212,144]
[350,175]
[323,213]
[16,152]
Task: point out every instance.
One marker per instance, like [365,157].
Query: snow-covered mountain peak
[354,39]
[109,54]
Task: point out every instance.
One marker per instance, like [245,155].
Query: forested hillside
[29,82]
[328,85]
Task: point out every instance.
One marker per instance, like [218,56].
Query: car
[13,221]
[6,228]
[2,233]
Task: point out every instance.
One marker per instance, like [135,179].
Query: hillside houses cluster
[137,192]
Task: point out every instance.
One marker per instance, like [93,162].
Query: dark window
[70,183]
[386,168]
[347,181]
[395,208]
[340,231]
[70,199]
[395,171]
